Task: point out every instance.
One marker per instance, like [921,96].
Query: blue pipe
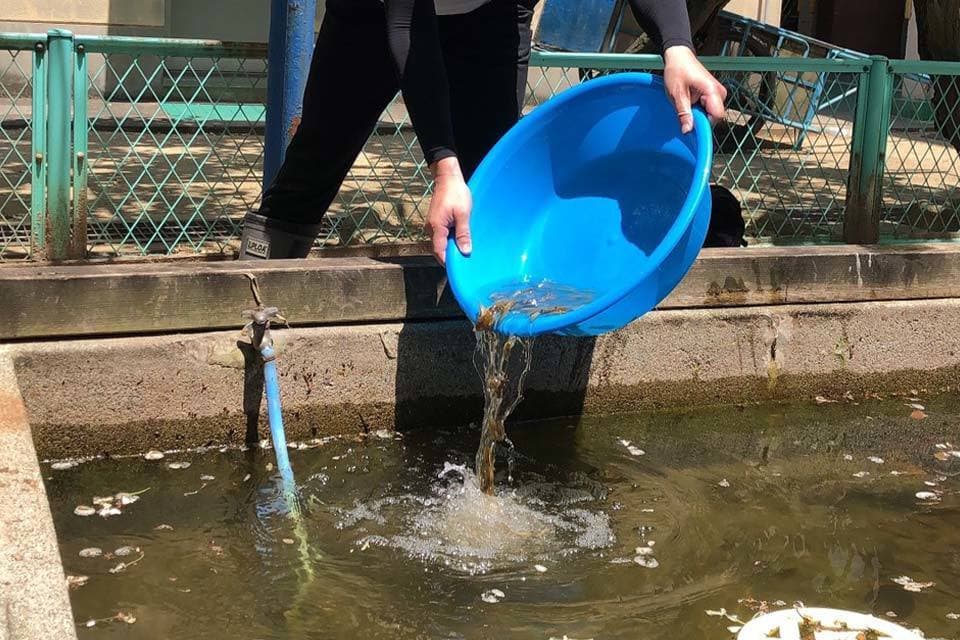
[288,64]
[275,415]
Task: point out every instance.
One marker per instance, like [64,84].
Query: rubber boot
[267,239]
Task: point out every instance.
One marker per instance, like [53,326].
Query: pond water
[616,527]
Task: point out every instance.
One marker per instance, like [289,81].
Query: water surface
[618,527]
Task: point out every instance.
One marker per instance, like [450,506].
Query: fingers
[439,234]
[462,232]
[712,102]
[680,96]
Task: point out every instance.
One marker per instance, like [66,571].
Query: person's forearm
[666,21]
[415,47]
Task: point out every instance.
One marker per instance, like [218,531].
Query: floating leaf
[246,477]
[206,478]
[953,616]
[84,510]
[909,584]
[75,582]
[90,623]
[540,568]
[108,511]
[648,562]
[125,617]
[288,541]
[876,459]
[102,501]
[822,400]
[125,498]
[118,568]
[91,552]
[918,407]
[153,455]
[124,551]
[178,465]
[927,496]
[861,474]
[163,527]
[918,415]
[942,456]
[64,465]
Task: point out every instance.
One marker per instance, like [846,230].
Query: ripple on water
[459,526]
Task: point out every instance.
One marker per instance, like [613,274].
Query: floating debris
[126,499]
[91,552]
[848,457]
[918,407]
[540,568]
[891,614]
[163,527]
[822,400]
[75,582]
[207,478]
[288,541]
[909,584]
[646,511]
[64,465]
[930,483]
[644,551]
[953,616]
[90,623]
[927,496]
[876,459]
[178,465]
[942,456]
[636,451]
[108,511]
[493,596]
[724,483]
[269,466]
[124,551]
[246,477]
[125,617]
[918,415]
[102,501]
[84,510]
[861,474]
[941,446]
[153,455]
[648,562]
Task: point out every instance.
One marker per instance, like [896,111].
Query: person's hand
[449,209]
[689,83]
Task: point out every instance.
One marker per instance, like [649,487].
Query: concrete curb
[34,603]
[128,395]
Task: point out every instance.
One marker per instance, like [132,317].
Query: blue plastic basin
[596,190]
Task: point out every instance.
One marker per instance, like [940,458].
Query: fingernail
[466,248]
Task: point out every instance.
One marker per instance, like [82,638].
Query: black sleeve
[415,46]
[666,21]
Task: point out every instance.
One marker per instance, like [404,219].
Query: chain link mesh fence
[922,176]
[16,152]
[175,141]
[175,149]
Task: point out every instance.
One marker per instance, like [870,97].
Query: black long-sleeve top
[415,46]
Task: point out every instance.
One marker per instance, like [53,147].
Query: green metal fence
[152,146]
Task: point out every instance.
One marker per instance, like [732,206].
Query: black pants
[353,78]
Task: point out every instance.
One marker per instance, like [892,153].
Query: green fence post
[861,223]
[59,223]
[78,237]
[38,143]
